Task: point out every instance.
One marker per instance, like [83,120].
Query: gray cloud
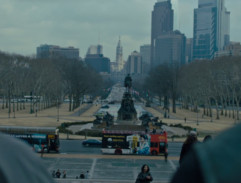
[26,24]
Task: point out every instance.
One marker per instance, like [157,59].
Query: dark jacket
[184,151]
[141,178]
[18,163]
[216,161]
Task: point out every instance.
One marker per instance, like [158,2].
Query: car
[105,107]
[92,142]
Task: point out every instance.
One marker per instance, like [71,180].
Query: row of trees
[53,80]
[205,83]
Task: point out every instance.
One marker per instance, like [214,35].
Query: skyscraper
[145,51]
[95,49]
[118,65]
[162,22]
[211,28]
[119,52]
[170,48]
[134,63]
[95,59]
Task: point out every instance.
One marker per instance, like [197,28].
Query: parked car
[105,107]
[92,142]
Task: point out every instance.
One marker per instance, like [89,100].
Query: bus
[40,138]
[134,142]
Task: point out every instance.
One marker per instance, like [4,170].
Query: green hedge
[188,128]
[90,133]
[63,127]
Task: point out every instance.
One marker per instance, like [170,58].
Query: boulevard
[76,147]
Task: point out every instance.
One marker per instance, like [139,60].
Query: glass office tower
[161,23]
[211,28]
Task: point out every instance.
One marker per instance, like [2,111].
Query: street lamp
[57,110]
[197,116]
[36,112]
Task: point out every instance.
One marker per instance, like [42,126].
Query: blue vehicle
[92,142]
[40,138]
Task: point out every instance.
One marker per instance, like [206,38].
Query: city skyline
[28,24]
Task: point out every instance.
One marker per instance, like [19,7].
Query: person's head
[207,138]
[145,168]
[191,138]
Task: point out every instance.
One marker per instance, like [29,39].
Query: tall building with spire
[162,23]
[119,56]
[211,28]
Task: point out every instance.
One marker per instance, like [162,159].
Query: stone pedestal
[127,111]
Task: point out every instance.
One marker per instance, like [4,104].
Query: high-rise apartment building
[211,28]
[170,48]
[53,51]
[162,22]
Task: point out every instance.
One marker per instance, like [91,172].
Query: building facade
[162,22]
[95,50]
[98,62]
[145,51]
[211,28]
[189,50]
[134,63]
[170,48]
[233,49]
[53,51]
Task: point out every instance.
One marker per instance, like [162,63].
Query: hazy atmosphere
[27,24]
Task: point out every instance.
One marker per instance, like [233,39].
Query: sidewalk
[48,117]
[202,124]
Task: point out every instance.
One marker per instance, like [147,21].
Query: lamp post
[197,116]
[57,110]
[36,112]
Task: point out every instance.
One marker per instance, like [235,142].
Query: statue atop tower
[127,111]
[119,56]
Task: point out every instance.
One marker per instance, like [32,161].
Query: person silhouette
[17,160]
[144,176]
[215,161]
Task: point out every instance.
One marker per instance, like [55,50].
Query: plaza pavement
[105,168]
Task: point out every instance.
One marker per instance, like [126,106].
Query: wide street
[76,147]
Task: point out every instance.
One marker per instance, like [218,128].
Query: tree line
[202,83]
[49,79]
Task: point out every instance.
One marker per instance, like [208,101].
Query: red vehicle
[159,144]
[134,142]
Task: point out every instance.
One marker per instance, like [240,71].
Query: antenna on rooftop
[98,37]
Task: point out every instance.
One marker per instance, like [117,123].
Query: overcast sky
[26,24]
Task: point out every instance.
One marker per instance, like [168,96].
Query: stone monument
[127,111]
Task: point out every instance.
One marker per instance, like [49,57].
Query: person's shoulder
[20,158]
